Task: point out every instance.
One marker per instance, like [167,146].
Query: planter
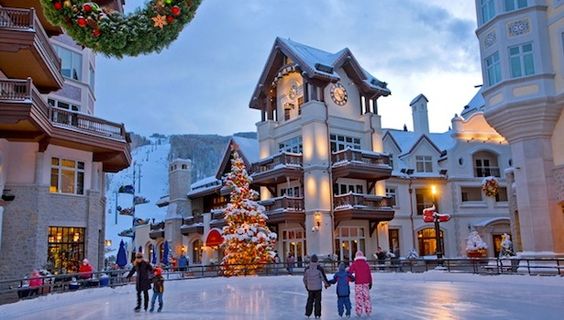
[481,253]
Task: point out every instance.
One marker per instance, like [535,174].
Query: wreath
[146,30]
[490,186]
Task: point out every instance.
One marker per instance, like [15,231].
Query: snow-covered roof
[211,180]
[406,140]
[476,104]
[311,57]
[417,98]
[249,147]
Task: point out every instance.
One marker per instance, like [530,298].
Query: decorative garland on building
[146,30]
[490,186]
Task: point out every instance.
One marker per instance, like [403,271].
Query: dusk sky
[203,82]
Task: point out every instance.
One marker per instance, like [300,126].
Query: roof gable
[421,141]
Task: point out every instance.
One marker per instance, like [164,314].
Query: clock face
[339,94]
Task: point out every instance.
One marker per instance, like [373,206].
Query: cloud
[203,82]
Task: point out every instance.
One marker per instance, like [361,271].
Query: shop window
[67,176]
[65,249]
[428,243]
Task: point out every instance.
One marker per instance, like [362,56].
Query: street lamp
[436,220]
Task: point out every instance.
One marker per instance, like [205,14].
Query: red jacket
[35,281]
[85,271]
[361,271]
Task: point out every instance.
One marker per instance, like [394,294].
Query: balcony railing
[26,20]
[157,226]
[284,204]
[24,91]
[280,160]
[193,220]
[487,172]
[359,156]
[360,201]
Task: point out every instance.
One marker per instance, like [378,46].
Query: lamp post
[439,249]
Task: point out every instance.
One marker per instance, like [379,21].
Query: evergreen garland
[146,30]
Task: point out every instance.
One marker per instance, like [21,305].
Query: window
[339,143]
[488,10]
[392,161]
[290,192]
[64,117]
[394,240]
[471,194]
[521,60]
[424,163]
[391,192]
[344,188]
[65,249]
[293,145]
[67,176]
[493,69]
[428,242]
[71,63]
[485,164]
[197,252]
[92,78]
[287,113]
[501,195]
[511,5]
[423,199]
[63,105]
[300,102]
[348,240]
[294,243]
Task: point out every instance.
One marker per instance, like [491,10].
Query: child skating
[342,279]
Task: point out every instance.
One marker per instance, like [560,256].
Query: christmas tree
[475,246]
[506,246]
[248,242]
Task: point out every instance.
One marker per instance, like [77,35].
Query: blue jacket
[342,279]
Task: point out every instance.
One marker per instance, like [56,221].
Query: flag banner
[127,189]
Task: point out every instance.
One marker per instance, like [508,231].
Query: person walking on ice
[314,275]
[158,289]
[142,283]
[363,284]
[342,279]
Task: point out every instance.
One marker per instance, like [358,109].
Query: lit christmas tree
[247,239]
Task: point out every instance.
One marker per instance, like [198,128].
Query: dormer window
[423,164]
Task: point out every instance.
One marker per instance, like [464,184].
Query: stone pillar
[513,211]
[173,235]
[317,180]
[39,165]
[540,216]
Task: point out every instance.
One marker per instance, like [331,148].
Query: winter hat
[342,266]
[158,271]
[314,258]
[359,254]
[85,261]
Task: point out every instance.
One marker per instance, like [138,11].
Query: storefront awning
[214,238]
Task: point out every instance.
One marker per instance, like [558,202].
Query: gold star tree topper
[160,21]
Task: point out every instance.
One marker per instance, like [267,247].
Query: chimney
[419,112]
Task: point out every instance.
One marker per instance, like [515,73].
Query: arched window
[428,243]
[485,164]
[197,251]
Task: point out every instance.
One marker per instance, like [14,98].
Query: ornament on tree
[248,243]
[159,21]
[87,7]
[169,19]
[81,22]
[58,6]
[175,11]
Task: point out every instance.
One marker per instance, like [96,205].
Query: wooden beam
[371,185]
[372,226]
[44,143]
[20,135]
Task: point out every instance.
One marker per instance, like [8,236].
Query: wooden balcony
[360,164]
[284,209]
[217,218]
[192,225]
[25,50]
[26,117]
[277,169]
[51,29]
[157,230]
[354,206]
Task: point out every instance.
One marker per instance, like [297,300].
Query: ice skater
[342,279]
[314,275]
[142,283]
[363,284]
[158,289]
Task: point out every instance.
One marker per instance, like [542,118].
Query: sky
[203,82]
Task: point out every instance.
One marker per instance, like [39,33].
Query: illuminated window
[67,176]
[339,143]
[428,242]
[65,249]
[294,243]
[197,251]
[423,199]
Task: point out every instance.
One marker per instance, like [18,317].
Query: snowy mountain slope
[152,161]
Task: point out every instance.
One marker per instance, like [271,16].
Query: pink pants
[362,299]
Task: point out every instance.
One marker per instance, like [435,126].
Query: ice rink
[432,295]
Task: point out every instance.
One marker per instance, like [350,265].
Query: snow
[249,147]
[205,181]
[431,295]
[154,170]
